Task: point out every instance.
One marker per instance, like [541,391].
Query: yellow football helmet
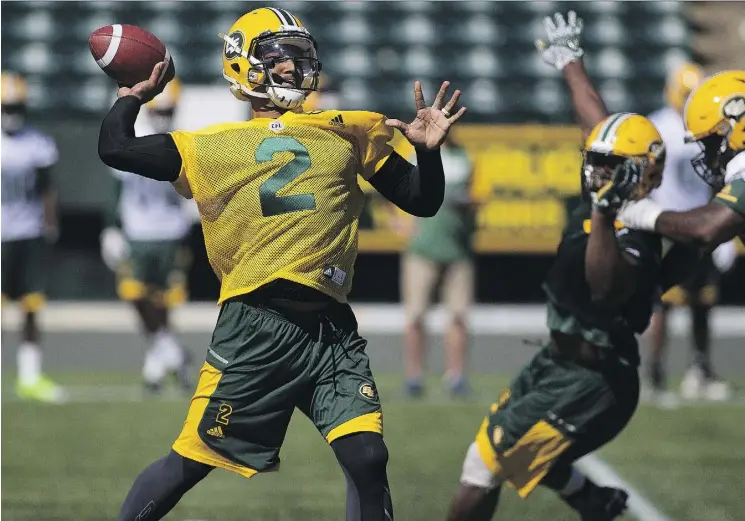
[14,95]
[614,140]
[259,40]
[715,118]
[681,82]
[13,89]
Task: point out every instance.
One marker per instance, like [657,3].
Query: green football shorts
[264,361]
[555,411]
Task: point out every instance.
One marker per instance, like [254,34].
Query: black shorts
[24,272]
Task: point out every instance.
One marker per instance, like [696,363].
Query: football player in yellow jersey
[279,202]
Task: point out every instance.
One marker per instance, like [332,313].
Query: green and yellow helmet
[14,97]
[255,43]
[13,89]
[617,138]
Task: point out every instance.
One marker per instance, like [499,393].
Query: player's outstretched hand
[148,89]
[561,46]
[431,124]
[623,185]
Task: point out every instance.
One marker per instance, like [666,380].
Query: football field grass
[77,461]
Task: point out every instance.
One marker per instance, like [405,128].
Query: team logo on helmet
[734,108]
[234,45]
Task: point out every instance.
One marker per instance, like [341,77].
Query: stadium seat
[485,48]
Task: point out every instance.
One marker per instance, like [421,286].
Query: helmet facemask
[598,168]
[711,163]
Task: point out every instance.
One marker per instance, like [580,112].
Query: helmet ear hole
[236,67]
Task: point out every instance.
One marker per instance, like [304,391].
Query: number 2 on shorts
[271,203]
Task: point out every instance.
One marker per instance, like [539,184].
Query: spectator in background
[682,189]
[440,250]
[29,225]
[143,243]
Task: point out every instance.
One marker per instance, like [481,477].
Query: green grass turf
[77,461]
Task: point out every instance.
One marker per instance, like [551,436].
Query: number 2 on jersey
[271,203]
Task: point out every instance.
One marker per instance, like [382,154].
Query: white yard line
[117,317]
[639,506]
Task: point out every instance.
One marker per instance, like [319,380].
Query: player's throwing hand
[431,124]
[562,40]
[148,89]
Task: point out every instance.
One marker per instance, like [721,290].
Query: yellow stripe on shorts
[371,422]
[525,464]
[189,444]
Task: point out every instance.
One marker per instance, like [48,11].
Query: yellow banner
[524,177]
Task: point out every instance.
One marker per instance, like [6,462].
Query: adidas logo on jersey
[337,275]
[337,121]
[216,432]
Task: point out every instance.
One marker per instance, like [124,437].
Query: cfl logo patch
[276,126]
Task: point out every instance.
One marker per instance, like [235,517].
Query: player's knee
[475,472]
[183,471]
[364,456]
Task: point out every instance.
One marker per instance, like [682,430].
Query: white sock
[29,363]
[163,335]
[153,369]
[575,483]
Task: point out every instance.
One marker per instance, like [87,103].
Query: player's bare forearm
[706,226]
[587,103]
[605,266]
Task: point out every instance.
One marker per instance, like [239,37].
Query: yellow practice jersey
[279,198]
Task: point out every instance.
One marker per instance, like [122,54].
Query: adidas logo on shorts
[337,121]
[216,432]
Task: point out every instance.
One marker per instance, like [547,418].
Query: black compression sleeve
[155,157]
[417,190]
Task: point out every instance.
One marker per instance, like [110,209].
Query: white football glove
[724,256]
[562,40]
[114,247]
[640,215]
